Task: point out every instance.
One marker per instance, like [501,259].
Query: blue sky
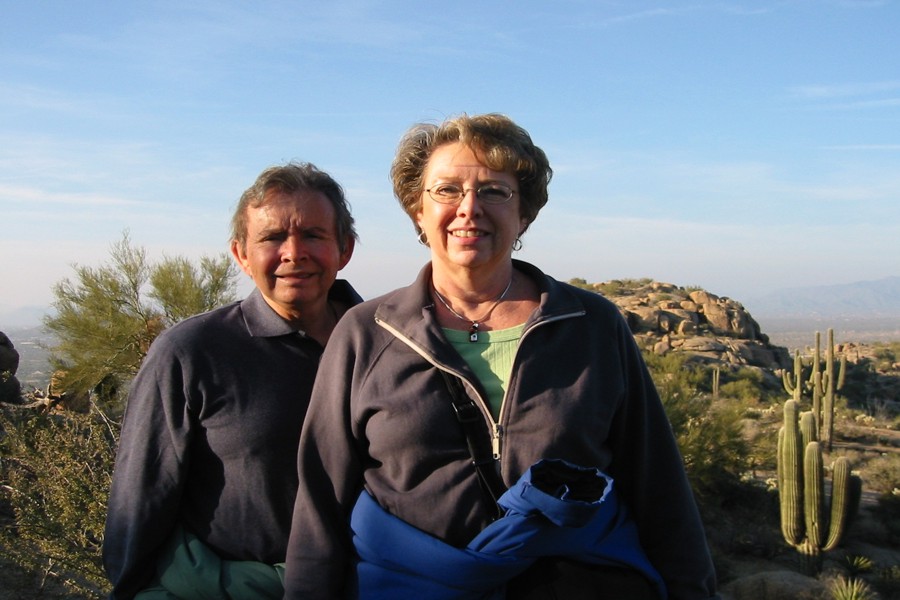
[741,146]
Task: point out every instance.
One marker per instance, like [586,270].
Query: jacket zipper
[496,429]
[497,433]
[493,426]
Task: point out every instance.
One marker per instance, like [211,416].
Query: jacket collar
[410,311]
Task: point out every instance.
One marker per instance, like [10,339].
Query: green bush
[749,387]
[709,435]
[886,356]
[621,287]
[107,317]
[55,471]
[883,474]
[850,588]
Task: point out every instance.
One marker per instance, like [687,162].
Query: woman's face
[471,234]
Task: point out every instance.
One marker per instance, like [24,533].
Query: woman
[485,369]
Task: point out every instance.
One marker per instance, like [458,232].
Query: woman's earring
[422,239]
[517,245]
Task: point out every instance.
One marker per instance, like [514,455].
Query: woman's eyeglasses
[489,193]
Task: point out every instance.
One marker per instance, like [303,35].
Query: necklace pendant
[473,332]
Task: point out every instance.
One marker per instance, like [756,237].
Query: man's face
[292,252]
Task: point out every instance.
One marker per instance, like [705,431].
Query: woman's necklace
[474,323]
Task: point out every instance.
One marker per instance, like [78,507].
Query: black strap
[472,421]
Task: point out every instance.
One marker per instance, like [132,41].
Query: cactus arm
[793,382]
[830,384]
[817,356]
[842,373]
[807,428]
[813,493]
[790,476]
[817,399]
[841,502]
[828,418]
[787,380]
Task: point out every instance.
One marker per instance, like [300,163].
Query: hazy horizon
[781,319]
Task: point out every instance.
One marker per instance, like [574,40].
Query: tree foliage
[56,468]
[107,316]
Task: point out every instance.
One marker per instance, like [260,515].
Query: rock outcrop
[9,356]
[10,388]
[714,329]
[775,585]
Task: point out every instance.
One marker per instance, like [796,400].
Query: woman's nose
[469,204]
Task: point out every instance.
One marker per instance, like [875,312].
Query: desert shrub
[886,356]
[883,474]
[745,385]
[582,283]
[850,588]
[714,450]
[709,435]
[621,287]
[744,390]
[883,410]
[857,564]
[55,476]
[888,581]
[888,513]
[857,379]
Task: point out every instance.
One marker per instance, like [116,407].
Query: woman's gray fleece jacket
[381,418]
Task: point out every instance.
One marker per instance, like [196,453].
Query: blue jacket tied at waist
[555,509]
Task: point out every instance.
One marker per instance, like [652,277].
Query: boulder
[10,388]
[9,356]
[644,318]
[775,585]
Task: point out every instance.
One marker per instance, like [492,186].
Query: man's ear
[238,251]
[347,254]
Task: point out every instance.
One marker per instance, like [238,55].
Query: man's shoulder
[224,319]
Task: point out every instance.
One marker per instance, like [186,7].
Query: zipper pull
[495,440]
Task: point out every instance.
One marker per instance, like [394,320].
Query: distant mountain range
[864,299]
[26,316]
[865,311]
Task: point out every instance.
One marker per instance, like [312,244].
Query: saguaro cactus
[716,379]
[824,385]
[793,382]
[802,489]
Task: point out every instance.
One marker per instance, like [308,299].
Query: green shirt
[490,358]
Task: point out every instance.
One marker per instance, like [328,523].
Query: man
[205,476]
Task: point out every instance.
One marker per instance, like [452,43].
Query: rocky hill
[714,329]
[718,330]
